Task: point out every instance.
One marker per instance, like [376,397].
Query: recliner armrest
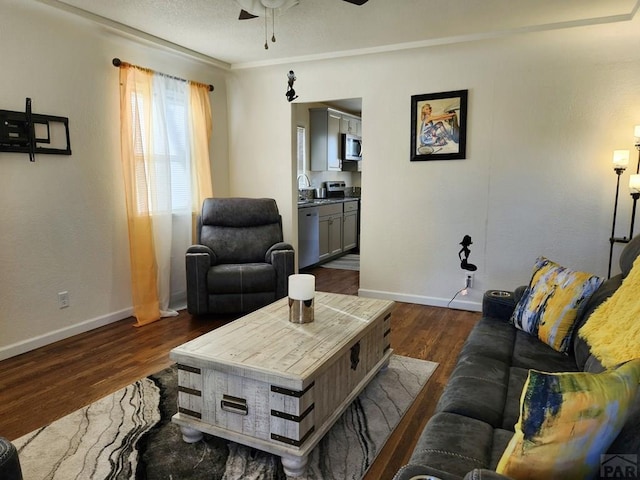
[276,247]
[198,260]
[282,257]
[213,259]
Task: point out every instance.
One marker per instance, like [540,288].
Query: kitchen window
[302,158]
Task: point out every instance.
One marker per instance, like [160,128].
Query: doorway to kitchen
[328,186]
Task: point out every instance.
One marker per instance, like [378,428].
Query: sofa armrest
[422,472]
[498,304]
[282,257]
[484,474]
[9,462]
[198,260]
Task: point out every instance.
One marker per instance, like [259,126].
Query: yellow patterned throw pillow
[549,306]
[613,330]
[567,420]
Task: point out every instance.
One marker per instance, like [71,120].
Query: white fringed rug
[129,434]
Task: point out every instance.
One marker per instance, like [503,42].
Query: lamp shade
[620,159]
[634,183]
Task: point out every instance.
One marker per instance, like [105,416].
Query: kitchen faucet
[305,176]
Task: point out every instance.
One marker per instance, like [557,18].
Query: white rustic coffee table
[278,386]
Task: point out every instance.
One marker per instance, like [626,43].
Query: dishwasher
[308,236]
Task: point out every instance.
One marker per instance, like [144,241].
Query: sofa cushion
[549,307]
[457,444]
[491,370]
[567,421]
[491,338]
[628,255]
[628,440]
[233,303]
[613,330]
[477,388]
[529,352]
[581,350]
[511,412]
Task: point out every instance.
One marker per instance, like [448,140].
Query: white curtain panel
[170,187]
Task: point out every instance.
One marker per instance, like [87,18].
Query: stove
[335,189]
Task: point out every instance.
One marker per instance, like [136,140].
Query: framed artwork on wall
[439,126]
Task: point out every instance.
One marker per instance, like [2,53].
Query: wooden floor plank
[43,385]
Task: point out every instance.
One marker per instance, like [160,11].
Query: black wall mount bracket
[27,132]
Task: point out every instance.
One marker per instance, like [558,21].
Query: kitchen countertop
[324,201]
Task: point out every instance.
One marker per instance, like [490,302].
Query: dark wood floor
[41,386]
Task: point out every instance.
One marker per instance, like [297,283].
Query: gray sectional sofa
[9,462]
[475,416]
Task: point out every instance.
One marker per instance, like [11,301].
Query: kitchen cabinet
[326,127]
[350,226]
[330,230]
[352,125]
[326,230]
[325,139]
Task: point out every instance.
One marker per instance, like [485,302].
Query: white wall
[63,223]
[545,112]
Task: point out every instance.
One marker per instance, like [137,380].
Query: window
[302,159]
[171,166]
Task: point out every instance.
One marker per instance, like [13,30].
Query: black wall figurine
[464,253]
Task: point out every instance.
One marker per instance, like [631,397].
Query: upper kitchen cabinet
[352,125]
[325,139]
[326,126]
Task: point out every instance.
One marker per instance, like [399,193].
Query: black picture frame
[445,136]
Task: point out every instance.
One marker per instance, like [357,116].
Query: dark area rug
[162,449]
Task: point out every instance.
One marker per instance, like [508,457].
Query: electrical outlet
[468,280]
[63,299]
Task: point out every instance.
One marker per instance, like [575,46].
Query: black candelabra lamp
[620,163]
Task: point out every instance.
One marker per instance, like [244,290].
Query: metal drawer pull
[234,405]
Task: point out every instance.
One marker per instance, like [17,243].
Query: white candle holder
[301,294]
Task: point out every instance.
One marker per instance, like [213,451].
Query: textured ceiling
[327,28]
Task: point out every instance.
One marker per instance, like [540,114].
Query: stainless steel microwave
[351,147]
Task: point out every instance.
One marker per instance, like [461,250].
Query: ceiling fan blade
[244,15]
[357,2]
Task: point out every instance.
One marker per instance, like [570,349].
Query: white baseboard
[57,335]
[422,300]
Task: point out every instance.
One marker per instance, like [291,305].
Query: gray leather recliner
[240,262]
